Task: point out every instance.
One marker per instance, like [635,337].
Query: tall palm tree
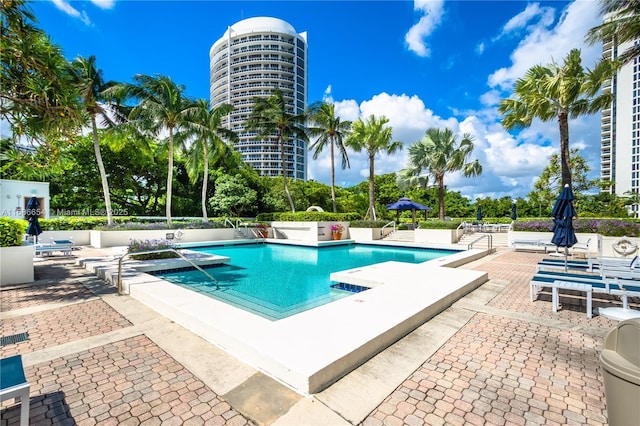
[439,153]
[207,142]
[162,106]
[374,137]
[331,131]
[621,24]
[91,86]
[270,116]
[555,92]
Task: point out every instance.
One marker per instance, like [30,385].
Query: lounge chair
[611,281]
[582,248]
[592,264]
[13,384]
[532,244]
[64,246]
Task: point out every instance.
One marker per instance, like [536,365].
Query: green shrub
[440,224]
[606,227]
[12,231]
[149,245]
[367,223]
[307,217]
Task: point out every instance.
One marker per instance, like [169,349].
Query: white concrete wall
[16,265]
[437,236]
[80,238]
[367,234]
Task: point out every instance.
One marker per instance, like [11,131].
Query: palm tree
[331,131]
[38,100]
[555,92]
[439,153]
[270,116]
[374,137]
[162,106]
[91,86]
[209,142]
[621,24]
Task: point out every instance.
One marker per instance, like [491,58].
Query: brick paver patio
[513,363]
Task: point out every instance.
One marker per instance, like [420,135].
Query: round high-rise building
[252,58]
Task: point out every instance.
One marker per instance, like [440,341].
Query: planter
[337,235]
[365,234]
[102,239]
[17,265]
[437,236]
[305,231]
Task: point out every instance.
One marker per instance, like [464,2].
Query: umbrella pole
[566,254]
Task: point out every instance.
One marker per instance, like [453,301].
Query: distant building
[253,57]
[620,127]
[15,194]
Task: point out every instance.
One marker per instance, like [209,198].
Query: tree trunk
[563,122]
[169,180]
[103,173]
[333,179]
[372,201]
[284,175]
[440,179]
[205,180]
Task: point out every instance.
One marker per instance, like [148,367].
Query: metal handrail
[226,220]
[388,224]
[490,243]
[161,251]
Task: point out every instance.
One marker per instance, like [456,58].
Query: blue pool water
[276,281]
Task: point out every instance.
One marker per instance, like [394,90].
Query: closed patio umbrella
[514,211]
[479,214]
[563,213]
[31,215]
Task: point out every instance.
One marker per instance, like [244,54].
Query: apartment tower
[252,58]
[620,127]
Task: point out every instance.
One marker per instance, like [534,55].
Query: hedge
[12,231]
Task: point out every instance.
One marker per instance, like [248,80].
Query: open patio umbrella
[514,212]
[563,213]
[31,214]
[405,203]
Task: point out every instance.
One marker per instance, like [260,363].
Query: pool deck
[492,357]
[312,349]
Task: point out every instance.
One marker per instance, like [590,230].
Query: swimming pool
[276,281]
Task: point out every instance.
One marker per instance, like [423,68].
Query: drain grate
[16,338]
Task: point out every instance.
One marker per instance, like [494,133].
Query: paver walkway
[95,358]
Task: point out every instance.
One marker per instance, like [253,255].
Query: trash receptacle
[620,359]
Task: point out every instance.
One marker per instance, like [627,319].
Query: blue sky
[421,64]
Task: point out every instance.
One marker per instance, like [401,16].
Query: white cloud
[533,11]
[104,4]
[543,44]
[512,161]
[432,11]
[66,7]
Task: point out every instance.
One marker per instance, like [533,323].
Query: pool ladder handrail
[388,224]
[489,238]
[160,251]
